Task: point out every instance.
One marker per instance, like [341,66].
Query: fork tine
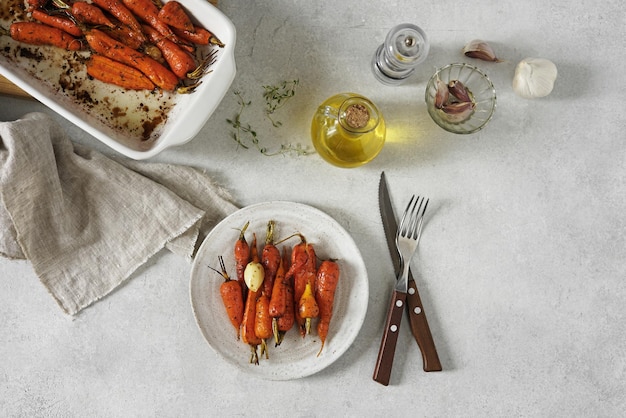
[412,219]
[420,222]
[405,223]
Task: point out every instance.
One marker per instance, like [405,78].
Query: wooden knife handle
[421,330]
[384,363]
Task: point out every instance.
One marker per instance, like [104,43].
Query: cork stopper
[357,116]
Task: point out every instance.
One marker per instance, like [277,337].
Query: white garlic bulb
[534,77]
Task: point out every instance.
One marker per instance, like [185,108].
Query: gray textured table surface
[521,265]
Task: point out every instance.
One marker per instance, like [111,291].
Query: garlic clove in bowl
[534,77]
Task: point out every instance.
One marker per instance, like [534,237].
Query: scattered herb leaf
[275,98]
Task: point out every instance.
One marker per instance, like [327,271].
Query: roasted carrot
[303,268]
[113,72]
[147,11]
[242,257]
[263,322]
[248,335]
[325,287]
[278,299]
[307,307]
[270,258]
[173,14]
[58,22]
[254,274]
[200,36]
[121,12]
[285,322]
[39,34]
[109,47]
[230,291]
[179,60]
[278,294]
[35,4]
[88,13]
[126,35]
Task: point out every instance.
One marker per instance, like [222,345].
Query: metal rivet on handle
[393,328]
[399,303]
[417,310]
[411,290]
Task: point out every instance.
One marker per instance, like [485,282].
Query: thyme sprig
[239,127]
[275,97]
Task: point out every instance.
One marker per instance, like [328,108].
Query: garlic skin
[534,78]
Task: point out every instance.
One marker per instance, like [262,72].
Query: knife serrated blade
[417,315]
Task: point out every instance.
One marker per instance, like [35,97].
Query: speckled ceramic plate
[295,357]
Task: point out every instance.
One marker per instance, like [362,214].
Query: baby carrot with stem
[248,335]
[285,322]
[200,36]
[307,308]
[303,268]
[242,257]
[178,59]
[278,300]
[230,291]
[263,322]
[270,258]
[254,275]
[325,287]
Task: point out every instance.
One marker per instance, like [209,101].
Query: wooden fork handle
[384,363]
[421,330]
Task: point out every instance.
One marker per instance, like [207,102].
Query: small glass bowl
[482,91]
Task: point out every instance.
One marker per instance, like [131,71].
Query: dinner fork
[407,239]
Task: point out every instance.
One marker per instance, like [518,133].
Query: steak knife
[417,315]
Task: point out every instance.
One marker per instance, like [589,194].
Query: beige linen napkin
[85,221]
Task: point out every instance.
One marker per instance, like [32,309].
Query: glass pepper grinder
[405,47]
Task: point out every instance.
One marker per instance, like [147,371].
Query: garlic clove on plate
[534,77]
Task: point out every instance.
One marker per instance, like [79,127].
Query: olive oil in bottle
[348,130]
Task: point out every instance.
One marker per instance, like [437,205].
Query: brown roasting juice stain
[137,116]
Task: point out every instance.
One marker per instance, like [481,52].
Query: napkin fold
[86,221]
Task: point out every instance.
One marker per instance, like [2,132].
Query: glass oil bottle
[348,130]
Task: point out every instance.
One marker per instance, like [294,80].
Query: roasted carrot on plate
[230,291]
[325,287]
[263,322]
[307,307]
[270,258]
[242,257]
[248,334]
